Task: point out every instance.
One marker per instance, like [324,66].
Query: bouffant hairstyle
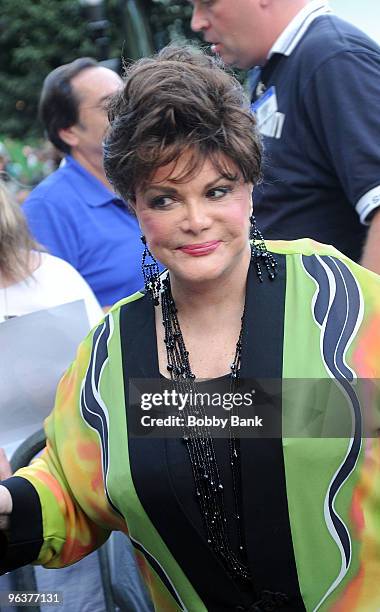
[180,100]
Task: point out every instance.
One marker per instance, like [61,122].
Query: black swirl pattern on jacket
[337,310]
[93,409]
[159,571]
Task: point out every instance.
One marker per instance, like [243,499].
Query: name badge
[265,106]
[269,121]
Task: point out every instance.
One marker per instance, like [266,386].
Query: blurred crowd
[22,167]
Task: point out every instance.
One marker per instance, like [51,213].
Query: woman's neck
[222,295]
[210,320]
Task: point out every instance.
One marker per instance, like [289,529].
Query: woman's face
[199,228]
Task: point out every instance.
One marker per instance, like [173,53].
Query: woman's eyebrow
[169,189]
[158,188]
[221,177]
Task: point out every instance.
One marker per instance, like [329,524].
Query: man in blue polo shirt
[74,213]
[316,95]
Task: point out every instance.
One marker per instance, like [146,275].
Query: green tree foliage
[39,35]
[170,22]
[35,37]
[165,21]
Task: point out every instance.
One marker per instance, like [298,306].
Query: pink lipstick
[197,250]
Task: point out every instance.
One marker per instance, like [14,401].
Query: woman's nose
[197,218]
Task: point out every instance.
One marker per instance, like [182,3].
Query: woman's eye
[161,201]
[218,192]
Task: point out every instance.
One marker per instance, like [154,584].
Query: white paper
[35,350]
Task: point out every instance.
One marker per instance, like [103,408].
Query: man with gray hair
[315,89]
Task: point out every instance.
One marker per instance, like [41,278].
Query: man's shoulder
[329,36]
[58,187]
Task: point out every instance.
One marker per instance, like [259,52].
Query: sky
[365,14]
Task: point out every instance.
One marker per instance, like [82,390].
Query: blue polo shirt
[321,173]
[75,217]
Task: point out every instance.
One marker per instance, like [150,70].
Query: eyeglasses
[102,105]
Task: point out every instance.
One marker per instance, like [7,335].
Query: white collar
[296,29]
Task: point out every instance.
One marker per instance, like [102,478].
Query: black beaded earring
[260,253]
[151,274]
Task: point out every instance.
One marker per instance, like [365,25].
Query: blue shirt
[321,175]
[75,217]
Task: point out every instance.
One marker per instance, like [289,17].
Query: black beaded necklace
[209,489]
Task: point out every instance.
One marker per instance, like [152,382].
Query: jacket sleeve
[61,511]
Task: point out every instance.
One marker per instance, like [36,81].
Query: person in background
[74,212]
[4,162]
[315,92]
[30,279]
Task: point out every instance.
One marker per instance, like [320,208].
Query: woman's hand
[5,496]
[5,467]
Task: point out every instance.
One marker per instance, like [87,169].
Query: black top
[160,468]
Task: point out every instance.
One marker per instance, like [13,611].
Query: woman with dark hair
[222,517]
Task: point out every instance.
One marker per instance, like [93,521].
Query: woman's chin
[198,274]
[209,268]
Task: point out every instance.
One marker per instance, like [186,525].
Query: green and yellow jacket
[311,502]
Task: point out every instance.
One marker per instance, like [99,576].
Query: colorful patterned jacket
[311,502]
